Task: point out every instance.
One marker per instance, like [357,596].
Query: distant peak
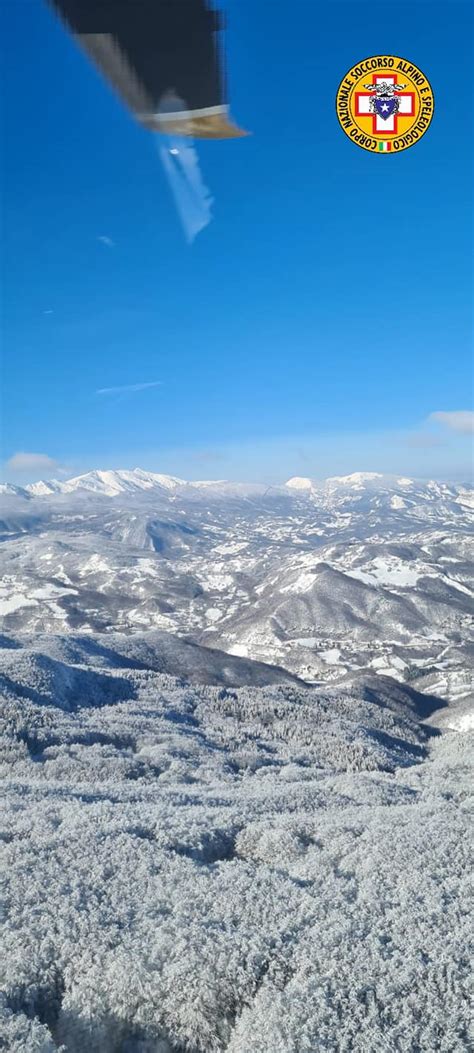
[356,478]
[44,487]
[299,482]
[10,488]
[121,481]
[108,482]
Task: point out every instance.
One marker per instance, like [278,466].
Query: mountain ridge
[120,481]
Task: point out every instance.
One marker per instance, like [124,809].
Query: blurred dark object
[163,57]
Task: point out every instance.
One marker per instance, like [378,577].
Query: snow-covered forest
[194,869]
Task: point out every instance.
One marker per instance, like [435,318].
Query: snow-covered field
[193,869]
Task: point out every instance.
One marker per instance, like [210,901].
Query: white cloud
[128,389]
[105,240]
[31,462]
[457,420]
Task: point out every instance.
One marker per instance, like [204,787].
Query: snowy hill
[43,675]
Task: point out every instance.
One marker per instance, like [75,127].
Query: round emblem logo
[385,104]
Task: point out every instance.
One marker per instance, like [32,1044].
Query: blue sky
[312,328]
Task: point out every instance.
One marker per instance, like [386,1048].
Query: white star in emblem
[385,107]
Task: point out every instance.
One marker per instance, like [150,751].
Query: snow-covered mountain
[323,578]
[111,484]
[8,489]
[125,481]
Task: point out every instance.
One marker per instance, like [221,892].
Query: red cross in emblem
[390,125]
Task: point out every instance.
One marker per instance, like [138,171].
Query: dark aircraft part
[163,58]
